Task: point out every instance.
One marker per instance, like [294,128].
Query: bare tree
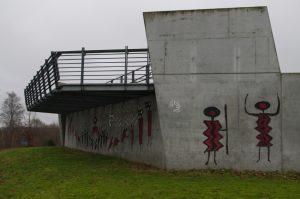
[37,123]
[12,111]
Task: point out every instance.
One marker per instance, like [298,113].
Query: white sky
[30,29]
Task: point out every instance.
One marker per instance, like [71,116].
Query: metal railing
[117,66]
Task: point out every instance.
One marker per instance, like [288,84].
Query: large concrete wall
[120,123]
[213,58]
[290,121]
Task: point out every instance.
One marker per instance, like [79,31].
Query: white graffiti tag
[175,106]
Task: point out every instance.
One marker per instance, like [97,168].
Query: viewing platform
[71,81]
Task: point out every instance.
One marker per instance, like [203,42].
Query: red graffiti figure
[212,132]
[263,120]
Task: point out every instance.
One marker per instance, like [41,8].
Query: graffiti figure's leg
[215,157]
[258,154]
[100,142]
[208,155]
[269,154]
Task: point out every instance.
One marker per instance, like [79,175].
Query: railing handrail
[102,51]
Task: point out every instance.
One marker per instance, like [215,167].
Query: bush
[50,143]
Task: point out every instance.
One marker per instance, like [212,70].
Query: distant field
[52,172]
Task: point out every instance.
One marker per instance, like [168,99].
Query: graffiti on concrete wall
[212,132]
[112,130]
[263,120]
[149,123]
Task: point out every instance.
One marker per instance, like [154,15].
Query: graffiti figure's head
[140,111]
[148,105]
[211,112]
[263,105]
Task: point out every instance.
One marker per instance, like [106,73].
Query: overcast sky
[30,29]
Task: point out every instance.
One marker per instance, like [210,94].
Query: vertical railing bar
[35,89]
[29,91]
[132,76]
[126,63]
[55,68]
[147,68]
[39,84]
[82,66]
[43,80]
[48,74]
[30,95]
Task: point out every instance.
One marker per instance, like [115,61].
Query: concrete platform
[74,97]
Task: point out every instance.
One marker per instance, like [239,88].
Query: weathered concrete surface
[290,121]
[83,128]
[204,58]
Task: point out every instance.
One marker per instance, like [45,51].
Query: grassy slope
[63,173]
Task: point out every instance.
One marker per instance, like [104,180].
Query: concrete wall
[83,131]
[205,58]
[290,121]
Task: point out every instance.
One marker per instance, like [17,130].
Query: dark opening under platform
[71,98]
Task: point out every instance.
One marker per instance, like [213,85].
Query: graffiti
[175,105]
[131,135]
[124,135]
[140,125]
[149,123]
[114,128]
[263,120]
[212,132]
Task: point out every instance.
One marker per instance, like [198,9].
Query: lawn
[54,172]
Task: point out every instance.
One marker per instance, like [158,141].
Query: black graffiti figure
[149,122]
[141,126]
[263,120]
[95,135]
[212,132]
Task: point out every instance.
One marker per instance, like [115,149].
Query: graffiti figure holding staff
[213,132]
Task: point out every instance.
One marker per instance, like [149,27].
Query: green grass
[52,172]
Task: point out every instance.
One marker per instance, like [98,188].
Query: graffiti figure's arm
[245,104]
[278,107]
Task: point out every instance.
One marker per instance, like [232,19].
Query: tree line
[13,114]
[23,128]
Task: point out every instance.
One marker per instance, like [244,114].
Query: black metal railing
[117,66]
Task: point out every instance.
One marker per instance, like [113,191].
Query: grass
[53,172]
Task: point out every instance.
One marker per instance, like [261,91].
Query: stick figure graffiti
[149,122]
[141,125]
[212,132]
[263,120]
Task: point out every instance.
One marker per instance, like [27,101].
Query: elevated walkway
[71,81]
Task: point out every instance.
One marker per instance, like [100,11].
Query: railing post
[147,69]
[43,79]
[55,68]
[132,77]
[126,63]
[82,66]
[121,79]
[48,74]
[39,84]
